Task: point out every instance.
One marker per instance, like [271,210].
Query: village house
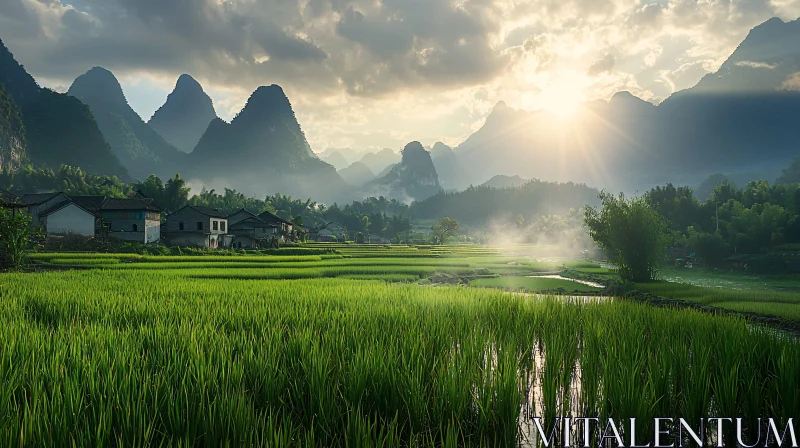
[239,216]
[129,219]
[253,233]
[374,238]
[69,218]
[137,219]
[34,203]
[270,218]
[330,231]
[198,226]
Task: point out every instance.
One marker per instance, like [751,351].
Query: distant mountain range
[377,162]
[336,159]
[261,151]
[742,119]
[264,149]
[141,149]
[501,181]
[446,163]
[357,174]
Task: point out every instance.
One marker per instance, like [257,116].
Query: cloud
[752,64]
[371,72]
[602,65]
[792,82]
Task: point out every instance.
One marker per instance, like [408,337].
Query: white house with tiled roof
[195,225]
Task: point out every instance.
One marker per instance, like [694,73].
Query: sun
[564,108]
[563,98]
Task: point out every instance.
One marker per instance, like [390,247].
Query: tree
[444,229]
[633,234]
[17,237]
[176,193]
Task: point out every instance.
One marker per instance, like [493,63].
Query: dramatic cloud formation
[380,73]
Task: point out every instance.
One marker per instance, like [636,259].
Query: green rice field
[784,304]
[348,350]
[532,284]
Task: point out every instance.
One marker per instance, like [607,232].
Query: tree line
[758,219]
[383,216]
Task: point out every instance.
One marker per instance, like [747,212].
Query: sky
[369,74]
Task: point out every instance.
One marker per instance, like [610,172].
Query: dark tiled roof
[270,217]
[91,203]
[61,205]
[252,223]
[130,204]
[208,211]
[8,198]
[37,198]
[243,210]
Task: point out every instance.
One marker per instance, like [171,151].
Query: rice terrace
[361,345]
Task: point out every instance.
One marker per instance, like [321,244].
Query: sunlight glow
[563,97]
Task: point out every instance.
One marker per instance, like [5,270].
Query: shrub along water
[129,357]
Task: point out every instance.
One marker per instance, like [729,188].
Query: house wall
[71,220]
[244,242]
[189,239]
[121,225]
[152,231]
[35,209]
[190,218]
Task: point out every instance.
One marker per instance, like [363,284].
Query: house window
[222,225]
[135,228]
[180,225]
[216,225]
[199,225]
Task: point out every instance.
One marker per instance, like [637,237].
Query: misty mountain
[766,61]
[141,149]
[357,174]
[12,133]
[413,178]
[264,150]
[741,120]
[706,188]
[791,174]
[446,163]
[59,130]
[336,159]
[378,161]
[185,116]
[348,153]
[501,181]
[485,205]
[387,170]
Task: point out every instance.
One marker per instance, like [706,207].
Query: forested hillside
[12,133]
[60,130]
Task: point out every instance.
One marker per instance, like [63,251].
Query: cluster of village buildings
[139,219]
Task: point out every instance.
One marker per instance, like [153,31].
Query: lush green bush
[631,232]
